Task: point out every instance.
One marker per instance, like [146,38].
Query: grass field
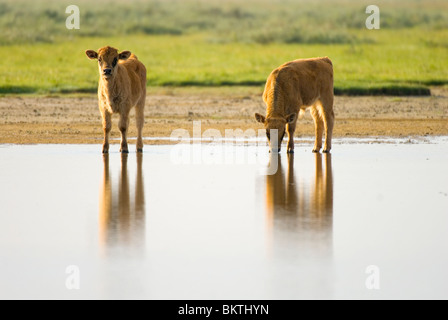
[225,43]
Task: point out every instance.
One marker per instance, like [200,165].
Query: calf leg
[318,128]
[328,123]
[140,120]
[328,116]
[291,127]
[123,125]
[107,125]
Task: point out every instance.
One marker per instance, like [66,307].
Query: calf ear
[91,54]
[290,118]
[260,118]
[124,55]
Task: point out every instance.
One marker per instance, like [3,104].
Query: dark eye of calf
[114,63]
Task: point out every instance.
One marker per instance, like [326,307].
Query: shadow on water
[300,212]
[122,216]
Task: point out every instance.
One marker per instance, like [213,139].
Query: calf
[122,85]
[296,86]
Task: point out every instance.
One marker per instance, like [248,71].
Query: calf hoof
[105,151]
[316,150]
[124,151]
[139,149]
[290,151]
[326,151]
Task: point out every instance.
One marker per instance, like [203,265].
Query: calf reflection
[122,221]
[299,212]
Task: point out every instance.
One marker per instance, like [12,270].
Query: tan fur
[296,86]
[119,91]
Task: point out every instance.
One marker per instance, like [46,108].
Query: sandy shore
[76,119]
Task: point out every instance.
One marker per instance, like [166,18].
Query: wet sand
[212,224]
[75,120]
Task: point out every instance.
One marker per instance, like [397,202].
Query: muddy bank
[59,119]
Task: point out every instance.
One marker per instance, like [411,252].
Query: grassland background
[225,42]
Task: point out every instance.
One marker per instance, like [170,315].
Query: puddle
[76,224]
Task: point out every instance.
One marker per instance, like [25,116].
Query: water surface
[152,226]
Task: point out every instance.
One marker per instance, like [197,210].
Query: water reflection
[121,216]
[300,210]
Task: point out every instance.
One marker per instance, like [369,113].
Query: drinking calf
[296,86]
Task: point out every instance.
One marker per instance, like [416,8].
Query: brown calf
[296,86]
[122,85]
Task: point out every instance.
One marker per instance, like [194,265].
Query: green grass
[225,43]
[381,68]
[248,21]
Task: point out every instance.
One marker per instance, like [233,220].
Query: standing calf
[296,86]
[122,85]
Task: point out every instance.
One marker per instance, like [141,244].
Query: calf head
[275,128]
[107,60]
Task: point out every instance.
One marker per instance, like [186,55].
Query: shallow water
[210,223]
